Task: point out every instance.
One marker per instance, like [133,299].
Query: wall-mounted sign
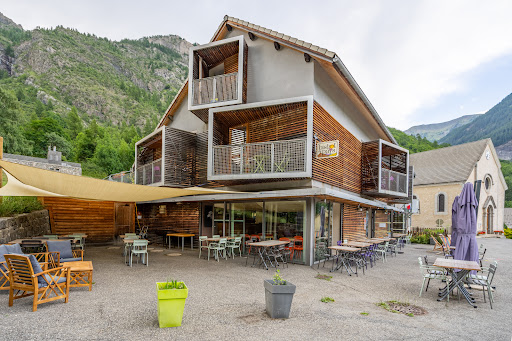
[327,149]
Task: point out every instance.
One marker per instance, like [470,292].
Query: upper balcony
[218,74]
[148,161]
[385,170]
[266,140]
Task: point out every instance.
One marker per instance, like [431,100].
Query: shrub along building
[440,176]
[283,123]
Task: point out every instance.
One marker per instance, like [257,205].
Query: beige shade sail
[31,181]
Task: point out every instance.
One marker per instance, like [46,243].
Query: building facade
[282,124]
[440,176]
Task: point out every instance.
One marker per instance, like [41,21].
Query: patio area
[226,301]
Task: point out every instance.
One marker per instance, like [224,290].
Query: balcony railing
[263,158]
[393,181]
[150,173]
[126,177]
[221,88]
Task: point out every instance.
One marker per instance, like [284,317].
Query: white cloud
[406,55]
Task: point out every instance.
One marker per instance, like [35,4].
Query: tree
[37,131]
[10,129]
[9,51]
[74,123]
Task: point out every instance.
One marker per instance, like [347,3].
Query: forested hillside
[91,97]
[496,124]
[414,144]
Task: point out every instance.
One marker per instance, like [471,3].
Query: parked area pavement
[226,301]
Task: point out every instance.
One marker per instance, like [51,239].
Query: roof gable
[328,59]
[446,165]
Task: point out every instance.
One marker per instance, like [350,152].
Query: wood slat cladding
[343,171]
[381,218]
[231,64]
[287,125]
[214,55]
[94,218]
[234,118]
[370,166]
[182,217]
[180,149]
[353,223]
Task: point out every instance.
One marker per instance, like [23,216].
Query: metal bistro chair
[322,253]
[431,272]
[128,246]
[485,280]
[140,247]
[233,245]
[218,248]
[382,250]
[203,244]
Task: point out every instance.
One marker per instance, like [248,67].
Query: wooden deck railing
[221,88]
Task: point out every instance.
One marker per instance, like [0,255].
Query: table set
[343,254]
[183,236]
[263,251]
[457,281]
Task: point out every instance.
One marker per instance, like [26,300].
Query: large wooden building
[283,124]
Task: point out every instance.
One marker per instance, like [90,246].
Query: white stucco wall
[337,103]
[186,120]
[273,74]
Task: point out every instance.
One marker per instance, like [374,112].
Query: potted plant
[278,296]
[171,302]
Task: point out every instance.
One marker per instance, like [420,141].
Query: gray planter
[278,299]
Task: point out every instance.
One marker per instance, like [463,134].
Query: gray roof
[450,164]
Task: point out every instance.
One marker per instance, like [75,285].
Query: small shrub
[277,280]
[364,313]
[17,205]
[172,284]
[327,299]
[325,277]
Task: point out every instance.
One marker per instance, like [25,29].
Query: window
[487,182]
[440,203]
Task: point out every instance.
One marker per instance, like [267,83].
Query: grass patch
[325,277]
[327,299]
[364,313]
[402,308]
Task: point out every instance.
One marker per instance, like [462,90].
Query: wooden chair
[437,245]
[28,279]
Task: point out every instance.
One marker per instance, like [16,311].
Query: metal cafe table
[263,250]
[457,277]
[342,258]
[182,235]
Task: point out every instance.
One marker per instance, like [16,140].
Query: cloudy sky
[417,61]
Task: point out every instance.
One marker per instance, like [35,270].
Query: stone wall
[25,225]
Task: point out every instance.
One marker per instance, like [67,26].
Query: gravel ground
[226,301]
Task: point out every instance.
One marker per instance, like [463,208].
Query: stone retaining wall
[25,225]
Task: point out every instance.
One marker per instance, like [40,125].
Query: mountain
[436,131]
[414,143]
[495,123]
[89,96]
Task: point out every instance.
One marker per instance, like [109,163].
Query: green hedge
[17,205]
[507,232]
[424,236]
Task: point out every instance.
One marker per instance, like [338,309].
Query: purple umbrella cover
[467,246]
[455,210]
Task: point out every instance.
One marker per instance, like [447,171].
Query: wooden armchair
[62,252]
[28,279]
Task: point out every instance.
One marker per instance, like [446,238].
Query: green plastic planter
[171,303]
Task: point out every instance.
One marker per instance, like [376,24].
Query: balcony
[150,173]
[273,159]
[265,140]
[217,75]
[385,170]
[221,88]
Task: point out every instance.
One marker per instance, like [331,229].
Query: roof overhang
[323,193]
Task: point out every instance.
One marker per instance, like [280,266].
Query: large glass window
[286,219]
[323,229]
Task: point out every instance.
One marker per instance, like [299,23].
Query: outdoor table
[457,277]
[182,235]
[399,235]
[216,239]
[357,244]
[81,273]
[130,243]
[262,249]
[370,241]
[342,259]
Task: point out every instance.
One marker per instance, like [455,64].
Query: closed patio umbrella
[455,210]
[467,247]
